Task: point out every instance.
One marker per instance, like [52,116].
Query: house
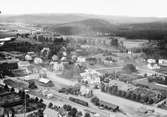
[45,82]
[162,62]
[63,59]
[38,60]
[23,64]
[64,53]
[74,57]
[32,54]
[107,62]
[45,52]
[85,91]
[81,59]
[85,46]
[151,61]
[129,52]
[28,58]
[92,77]
[92,60]
[55,58]
[57,66]
[153,66]
[122,85]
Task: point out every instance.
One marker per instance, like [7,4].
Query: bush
[50,105]
[67,107]
[87,115]
[129,68]
[12,89]
[32,85]
[95,100]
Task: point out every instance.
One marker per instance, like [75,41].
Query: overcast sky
[139,8]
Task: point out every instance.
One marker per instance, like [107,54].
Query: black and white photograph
[83,58]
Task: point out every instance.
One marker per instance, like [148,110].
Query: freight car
[81,102]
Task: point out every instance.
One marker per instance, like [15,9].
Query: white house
[153,66]
[38,60]
[28,58]
[162,62]
[64,59]
[74,57]
[57,66]
[44,80]
[64,53]
[54,57]
[129,52]
[151,61]
[106,62]
[81,59]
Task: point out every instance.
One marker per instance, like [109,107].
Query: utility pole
[25,103]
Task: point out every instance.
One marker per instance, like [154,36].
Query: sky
[135,8]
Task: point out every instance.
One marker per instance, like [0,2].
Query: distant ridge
[66,18]
[88,26]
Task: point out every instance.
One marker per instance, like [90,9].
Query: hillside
[130,27]
[42,18]
[151,31]
[66,18]
[88,26]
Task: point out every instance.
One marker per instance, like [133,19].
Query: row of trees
[127,94]
[71,111]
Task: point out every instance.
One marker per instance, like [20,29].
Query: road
[107,68]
